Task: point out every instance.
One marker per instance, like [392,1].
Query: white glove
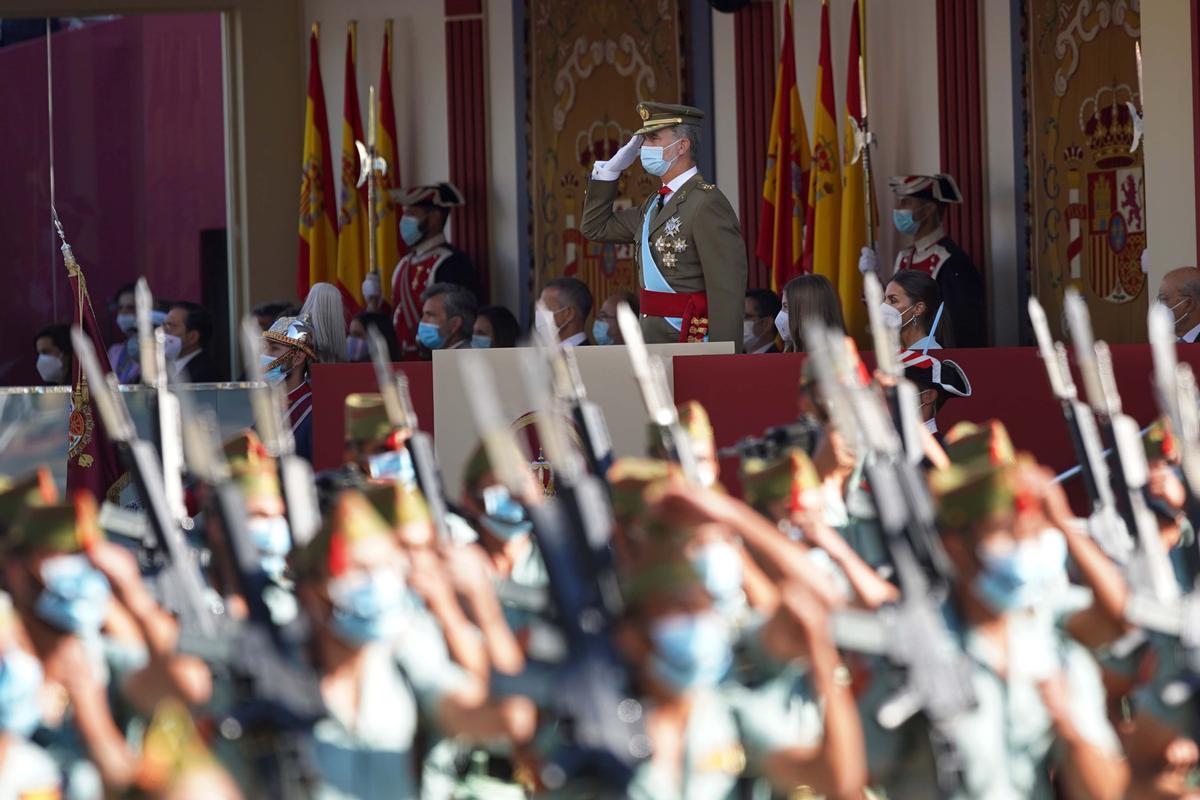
[1146,260]
[868,261]
[611,170]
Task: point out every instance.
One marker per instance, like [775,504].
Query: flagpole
[868,183]
[371,265]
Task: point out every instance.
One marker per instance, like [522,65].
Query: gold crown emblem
[1105,120]
[644,113]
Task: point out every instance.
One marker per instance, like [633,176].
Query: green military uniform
[691,245]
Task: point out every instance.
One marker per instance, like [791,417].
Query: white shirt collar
[1191,335]
[574,340]
[183,361]
[681,179]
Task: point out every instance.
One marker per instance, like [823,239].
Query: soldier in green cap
[690,253]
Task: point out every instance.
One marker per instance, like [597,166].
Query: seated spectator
[447,317]
[356,343]
[327,315]
[807,297]
[758,326]
[605,329]
[913,298]
[495,327]
[266,313]
[55,358]
[569,301]
[123,353]
[188,331]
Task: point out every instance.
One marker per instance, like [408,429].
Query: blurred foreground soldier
[26,770]
[175,764]
[373,447]
[1180,293]
[690,253]
[385,672]
[1040,715]
[696,423]
[257,476]
[289,349]
[921,202]
[430,258]
[37,488]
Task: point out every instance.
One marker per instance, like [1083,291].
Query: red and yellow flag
[825,183]
[388,245]
[854,226]
[352,200]
[318,211]
[785,187]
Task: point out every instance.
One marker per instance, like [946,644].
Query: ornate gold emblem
[644,113]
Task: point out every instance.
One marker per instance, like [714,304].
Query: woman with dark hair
[495,326]
[356,342]
[807,297]
[55,358]
[912,297]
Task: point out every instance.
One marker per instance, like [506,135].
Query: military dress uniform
[690,253]
[940,257]
[432,260]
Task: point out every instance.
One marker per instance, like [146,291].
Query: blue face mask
[481,342]
[653,161]
[273,539]
[720,567]
[75,597]
[1022,577]
[600,332]
[369,607]
[20,682]
[905,222]
[505,517]
[691,651]
[429,336]
[392,465]
[272,370]
[410,230]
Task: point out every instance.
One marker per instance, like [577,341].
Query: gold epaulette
[707,187]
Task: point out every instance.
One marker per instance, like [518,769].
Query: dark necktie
[663,191]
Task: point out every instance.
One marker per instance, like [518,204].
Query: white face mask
[781,325]
[50,368]
[537,320]
[1174,319]
[894,316]
[171,346]
[748,335]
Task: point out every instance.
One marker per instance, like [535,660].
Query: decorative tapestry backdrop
[590,63]
[1086,185]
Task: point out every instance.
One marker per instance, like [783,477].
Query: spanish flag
[855,234]
[825,183]
[388,246]
[785,187]
[318,211]
[352,200]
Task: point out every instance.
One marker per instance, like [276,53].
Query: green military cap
[694,420]
[629,479]
[790,477]
[352,519]
[366,418]
[966,442]
[397,503]
[656,116]
[968,494]
[477,466]
[1159,444]
[34,489]
[171,749]
[251,466]
[57,527]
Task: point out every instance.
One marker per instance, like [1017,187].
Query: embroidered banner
[1086,188]
[590,64]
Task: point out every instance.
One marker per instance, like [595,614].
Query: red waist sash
[691,308]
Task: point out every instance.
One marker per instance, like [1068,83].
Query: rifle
[775,441]
[269,404]
[178,579]
[590,693]
[279,693]
[917,638]
[397,404]
[166,406]
[569,387]
[902,399]
[650,376]
[1105,524]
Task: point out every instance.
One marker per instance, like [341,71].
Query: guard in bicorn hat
[430,258]
[921,203]
[690,253]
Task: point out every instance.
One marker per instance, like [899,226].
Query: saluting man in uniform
[430,258]
[921,202]
[690,254]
